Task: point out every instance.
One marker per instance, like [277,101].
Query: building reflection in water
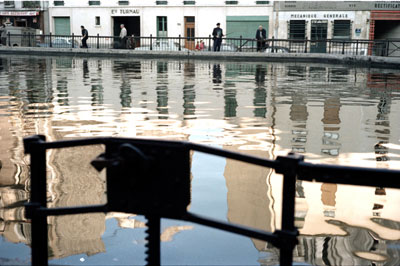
[306,119]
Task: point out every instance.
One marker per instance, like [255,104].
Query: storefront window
[341,29]
[297,29]
[9,3]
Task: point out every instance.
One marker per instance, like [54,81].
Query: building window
[31,4]
[94,3]
[297,29]
[162,30]
[161,2]
[262,2]
[97,21]
[341,29]
[189,2]
[9,3]
[58,3]
[123,3]
[231,2]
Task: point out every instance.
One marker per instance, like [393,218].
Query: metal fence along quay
[385,47]
[152,178]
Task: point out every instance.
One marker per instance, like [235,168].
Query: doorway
[189,33]
[319,30]
[132,25]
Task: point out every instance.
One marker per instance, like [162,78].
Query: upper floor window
[262,2]
[231,2]
[189,2]
[9,3]
[97,21]
[58,3]
[123,3]
[31,4]
[94,3]
[161,2]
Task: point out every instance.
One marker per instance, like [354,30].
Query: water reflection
[328,113]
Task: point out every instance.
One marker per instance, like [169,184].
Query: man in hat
[217,37]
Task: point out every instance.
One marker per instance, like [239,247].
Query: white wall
[206,17]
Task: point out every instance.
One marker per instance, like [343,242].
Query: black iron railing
[388,47]
[152,178]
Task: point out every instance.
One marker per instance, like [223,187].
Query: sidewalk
[356,60]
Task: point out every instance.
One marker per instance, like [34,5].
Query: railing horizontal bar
[72,210]
[234,155]
[349,175]
[254,233]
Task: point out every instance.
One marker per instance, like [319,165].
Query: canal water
[329,113]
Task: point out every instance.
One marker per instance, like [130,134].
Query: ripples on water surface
[328,113]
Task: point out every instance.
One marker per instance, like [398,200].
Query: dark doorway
[319,29]
[132,25]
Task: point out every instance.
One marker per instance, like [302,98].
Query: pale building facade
[160,18]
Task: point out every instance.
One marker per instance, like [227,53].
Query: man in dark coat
[261,35]
[217,37]
[85,36]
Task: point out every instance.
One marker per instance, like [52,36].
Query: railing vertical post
[329,46]
[272,44]
[209,42]
[151,42]
[288,168]
[73,39]
[153,238]
[357,47]
[9,38]
[51,43]
[29,39]
[305,45]
[98,41]
[343,47]
[387,48]
[180,47]
[241,43]
[38,199]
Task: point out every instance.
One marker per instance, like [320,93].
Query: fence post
[305,45]
[51,43]
[29,39]
[240,47]
[180,49]
[288,167]
[98,41]
[209,42]
[151,42]
[9,39]
[72,43]
[38,199]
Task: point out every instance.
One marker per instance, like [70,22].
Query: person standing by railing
[261,35]
[85,36]
[122,36]
[217,37]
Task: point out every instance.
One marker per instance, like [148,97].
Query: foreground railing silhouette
[384,47]
[152,178]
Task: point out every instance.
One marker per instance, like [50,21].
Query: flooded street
[328,113]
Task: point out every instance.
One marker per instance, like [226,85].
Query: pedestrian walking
[122,36]
[217,37]
[85,36]
[261,35]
